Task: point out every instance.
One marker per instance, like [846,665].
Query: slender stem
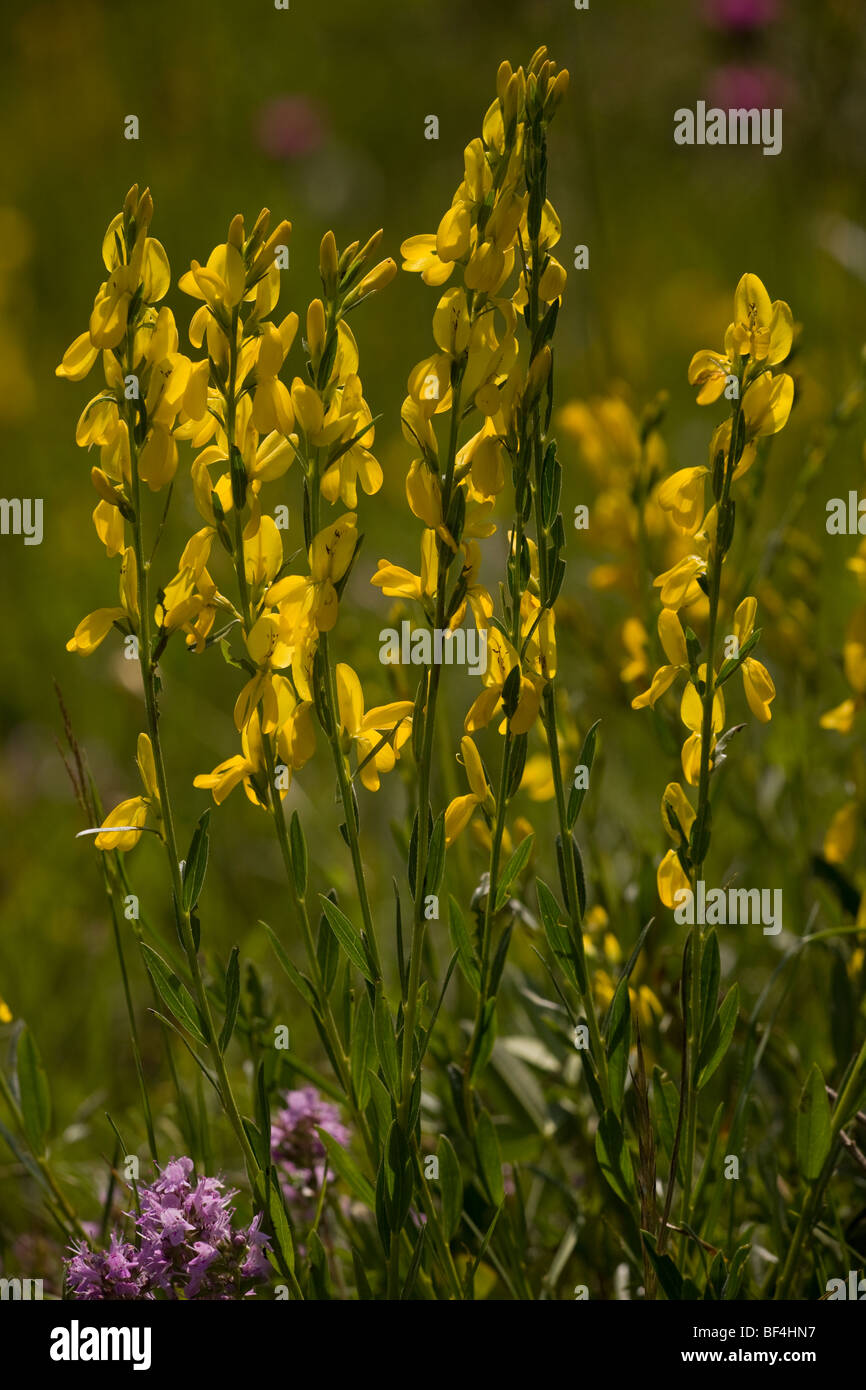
[702,812]
[543,532]
[148,676]
[445,556]
[486,933]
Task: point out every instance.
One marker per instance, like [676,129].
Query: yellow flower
[502,659]
[671,879]
[295,744]
[402,583]
[366,730]
[691,713]
[767,405]
[682,496]
[93,629]
[757,681]
[673,641]
[762,330]
[842,833]
[123,827]
[460,811]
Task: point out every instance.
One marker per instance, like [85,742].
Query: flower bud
[329,264]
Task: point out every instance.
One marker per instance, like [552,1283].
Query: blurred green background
[318,113]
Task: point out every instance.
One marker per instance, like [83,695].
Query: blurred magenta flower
[740,15]
[733,87]
[290,126]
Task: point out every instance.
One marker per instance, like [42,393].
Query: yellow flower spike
[841,833]
[675,804]
[671,879]
[682,496]
[131,813]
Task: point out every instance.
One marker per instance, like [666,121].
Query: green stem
[445,556]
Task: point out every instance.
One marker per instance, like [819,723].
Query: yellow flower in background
[841,833]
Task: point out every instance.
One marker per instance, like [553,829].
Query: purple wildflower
[186,1244]
[296,1149]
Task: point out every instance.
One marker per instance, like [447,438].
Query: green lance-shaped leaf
[196,863]
[232,999]
[462,943]
[33,1091]
[558,935]
[361,1051]
[345,1166]
[283,1243]
[586,759]
[386,1044]
[174,993]
[666,1271]
[618,1043]
[614,1158]
[719,1036]
[348,937]
[451,1186]
[513,870]
[489,1158]
[300,982]
[814,1134]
